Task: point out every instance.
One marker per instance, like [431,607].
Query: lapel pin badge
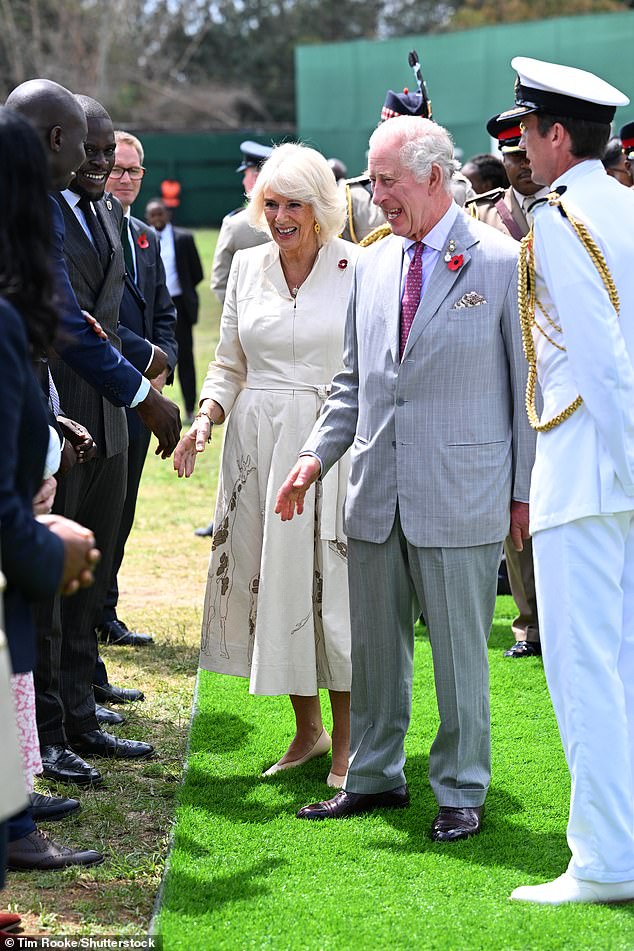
[453,261]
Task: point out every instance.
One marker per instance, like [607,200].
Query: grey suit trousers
[390,583]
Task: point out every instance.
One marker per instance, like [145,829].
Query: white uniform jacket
[585,466]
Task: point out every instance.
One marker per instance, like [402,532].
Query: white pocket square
[470,299]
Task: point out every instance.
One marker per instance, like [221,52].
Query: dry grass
[131,816]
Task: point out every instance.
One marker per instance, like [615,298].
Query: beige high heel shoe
[322,746]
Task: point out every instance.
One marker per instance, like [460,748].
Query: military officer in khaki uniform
[235,232]
[509,210]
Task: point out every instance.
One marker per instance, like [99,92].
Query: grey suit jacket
[442,434]
[99,293]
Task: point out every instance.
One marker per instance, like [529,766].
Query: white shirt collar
[543,191]
[72,198]
[439,234]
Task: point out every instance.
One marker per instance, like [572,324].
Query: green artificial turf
[244,873]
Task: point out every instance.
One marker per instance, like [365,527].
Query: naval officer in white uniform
[577,308]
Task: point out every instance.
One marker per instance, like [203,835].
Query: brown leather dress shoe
[455,822]
[352,804]
[37,851]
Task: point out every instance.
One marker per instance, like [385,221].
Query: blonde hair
[128,139]
[301,173]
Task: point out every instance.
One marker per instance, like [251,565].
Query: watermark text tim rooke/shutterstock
[79,942]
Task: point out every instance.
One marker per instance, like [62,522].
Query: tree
[474,13]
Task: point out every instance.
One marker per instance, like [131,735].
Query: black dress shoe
[111,717]
[352,804]
[51,808]
[106,693]
[205,532]
[524,649]
[62,765]
[37,852]
[98,743]
[455,822]
[117,633]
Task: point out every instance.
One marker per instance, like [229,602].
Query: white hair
[421,143]
[299,172]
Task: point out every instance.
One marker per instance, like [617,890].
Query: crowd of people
[426,369]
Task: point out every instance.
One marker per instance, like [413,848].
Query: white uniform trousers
[584,573]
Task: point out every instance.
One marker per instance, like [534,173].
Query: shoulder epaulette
[484,198]
[358,180]
[376,235]
[490,197]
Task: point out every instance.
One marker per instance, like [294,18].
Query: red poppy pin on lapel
[142,241]
[454,261]
[343,264]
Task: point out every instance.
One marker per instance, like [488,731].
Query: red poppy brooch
[454,261]
[343,264]
[142,241]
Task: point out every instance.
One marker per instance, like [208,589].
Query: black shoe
[51,808]
[62,765]
[524,649]
[352,804]
[115,632]
[98,743]
[106,693]
[111,717]
[205,532]
[37,851]
[454,822]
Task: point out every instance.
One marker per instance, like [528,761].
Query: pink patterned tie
[411,294]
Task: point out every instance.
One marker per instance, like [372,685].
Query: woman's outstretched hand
[193,442]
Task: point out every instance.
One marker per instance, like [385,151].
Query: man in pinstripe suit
[93,492]
[432,402]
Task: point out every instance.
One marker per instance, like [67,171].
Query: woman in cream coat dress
[276,604]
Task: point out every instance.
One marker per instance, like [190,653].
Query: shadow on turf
[190,892]
[509,838]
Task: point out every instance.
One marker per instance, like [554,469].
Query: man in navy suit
[148,313]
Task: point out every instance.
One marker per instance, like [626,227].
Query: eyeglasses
[135,173]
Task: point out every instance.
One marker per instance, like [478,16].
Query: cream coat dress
[276,604]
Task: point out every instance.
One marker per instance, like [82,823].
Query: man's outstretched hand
[290,497]
[162,417]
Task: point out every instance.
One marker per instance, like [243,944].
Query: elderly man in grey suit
[431,401]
